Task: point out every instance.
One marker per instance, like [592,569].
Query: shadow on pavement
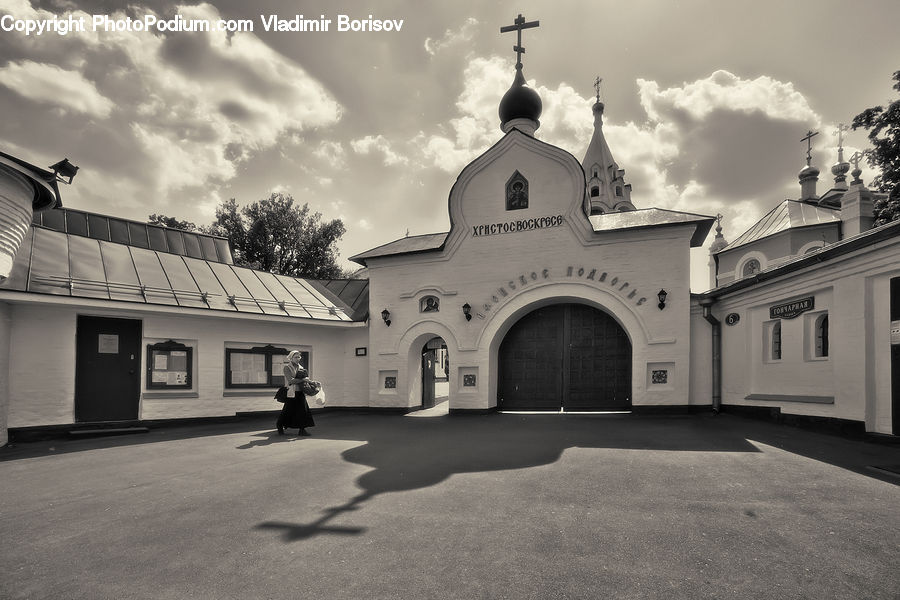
[407,454]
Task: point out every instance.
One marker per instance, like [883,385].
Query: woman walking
[295,412]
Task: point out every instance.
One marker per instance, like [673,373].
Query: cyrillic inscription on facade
[589,274]
[514,226]
[789,310]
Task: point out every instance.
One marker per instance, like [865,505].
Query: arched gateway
[568,356]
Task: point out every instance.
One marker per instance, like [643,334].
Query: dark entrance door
[428,359]
[568,356]
[107,369]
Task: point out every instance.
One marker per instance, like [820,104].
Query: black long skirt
[296,413]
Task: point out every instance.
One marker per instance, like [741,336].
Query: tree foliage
[171,222]
[883,125]
[278,236]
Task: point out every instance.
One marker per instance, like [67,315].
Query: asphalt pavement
[491,506]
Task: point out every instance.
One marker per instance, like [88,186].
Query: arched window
[821,333]
[751,267]
[595,191]
[776,341]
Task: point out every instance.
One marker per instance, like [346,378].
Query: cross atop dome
[520,106]
[518,25]
[808,139]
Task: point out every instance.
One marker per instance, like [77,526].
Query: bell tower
[604,180]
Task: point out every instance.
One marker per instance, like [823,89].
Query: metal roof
[867,239]
[351,294]
[406,245]
[653,217]
[67,264]
[136,233]
[790,214]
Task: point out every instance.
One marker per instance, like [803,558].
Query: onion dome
[808,172]
[520,101]
[840,169]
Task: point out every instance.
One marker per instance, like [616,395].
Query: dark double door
[568,356]
[107,369]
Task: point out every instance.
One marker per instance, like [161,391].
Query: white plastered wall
[42,370]
[855,291]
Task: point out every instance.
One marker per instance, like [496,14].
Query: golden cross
[597,86]
[518,26]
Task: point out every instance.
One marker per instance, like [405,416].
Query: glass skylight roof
[70,264]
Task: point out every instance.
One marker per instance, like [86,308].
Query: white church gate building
[551,291]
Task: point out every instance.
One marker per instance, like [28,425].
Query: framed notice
[108,343]
[169,366]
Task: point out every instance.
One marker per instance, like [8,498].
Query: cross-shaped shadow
[292,532]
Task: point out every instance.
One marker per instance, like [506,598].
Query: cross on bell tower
[518,25]
[597,83]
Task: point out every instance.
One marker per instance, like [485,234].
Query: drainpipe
[707,303]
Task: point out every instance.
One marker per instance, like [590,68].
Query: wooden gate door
[107,369]
[598,361]
[566,356]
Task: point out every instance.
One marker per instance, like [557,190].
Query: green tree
[171,222]
[883,125]
[278,236]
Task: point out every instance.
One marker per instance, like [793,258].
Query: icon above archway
[516,192]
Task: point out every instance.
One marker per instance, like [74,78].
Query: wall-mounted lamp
[662,299]
[64,169]
[386,317]
[467,311]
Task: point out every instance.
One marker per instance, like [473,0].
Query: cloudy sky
[706,102]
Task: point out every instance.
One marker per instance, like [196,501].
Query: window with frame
[775,341]
[751,267]
[169,366]
[258,367]
[820,331]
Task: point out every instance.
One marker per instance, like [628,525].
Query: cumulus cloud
[331,152]
[50,84]
[183,110]
[724,90]
[378,144]
[451,37]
